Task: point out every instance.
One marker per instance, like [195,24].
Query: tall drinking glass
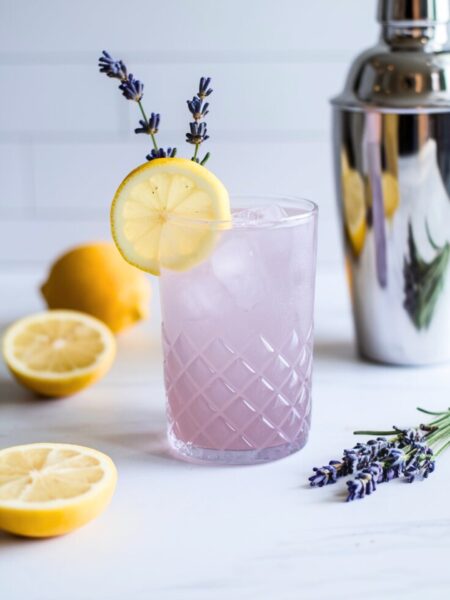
[238,335]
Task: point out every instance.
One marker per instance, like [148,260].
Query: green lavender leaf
[423,281]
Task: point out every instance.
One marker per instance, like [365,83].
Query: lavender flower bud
[325,475]
[197,134]
[365,482]
[203,89]
[132,88]
[112,67]
[356,490]
[197,108]
[376,470]
[161,153]
[151,127]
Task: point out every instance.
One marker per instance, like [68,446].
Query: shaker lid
[403,74]
[430,11]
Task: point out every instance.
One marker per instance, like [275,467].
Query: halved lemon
[51,489]
[158,214]
[58,352]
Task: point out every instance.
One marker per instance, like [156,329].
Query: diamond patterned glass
[237,341]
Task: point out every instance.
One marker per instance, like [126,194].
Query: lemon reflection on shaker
[391,194]
[354,204]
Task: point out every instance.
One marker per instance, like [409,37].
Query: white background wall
[66,136]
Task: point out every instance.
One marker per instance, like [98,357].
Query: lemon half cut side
[50,489]
[58,352]
[159,212]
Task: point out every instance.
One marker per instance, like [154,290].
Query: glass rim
[307,210]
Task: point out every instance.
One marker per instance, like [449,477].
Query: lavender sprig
[198,108]
[409,454]
[133,89]
[357,458]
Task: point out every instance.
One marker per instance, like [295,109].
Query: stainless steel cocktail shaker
[392,166]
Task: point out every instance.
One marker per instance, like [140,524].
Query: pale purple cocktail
[238,337]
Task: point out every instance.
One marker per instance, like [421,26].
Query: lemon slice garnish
[59,352]
[158,214]
[51,489]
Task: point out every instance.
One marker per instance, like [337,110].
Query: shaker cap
[428,11]
[409,71]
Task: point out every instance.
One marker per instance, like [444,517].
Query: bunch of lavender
[409,454]
[133,89]
[199,109]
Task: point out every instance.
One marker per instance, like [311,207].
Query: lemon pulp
[58,352]
[50,489]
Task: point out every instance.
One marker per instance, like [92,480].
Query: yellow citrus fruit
[158,214]
[58,352]
[94,279]
[51,489]
[354,208]
[391,194]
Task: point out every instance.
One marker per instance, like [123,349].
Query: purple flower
[203,89]
[356,489]
[151,126]
[197,108]
[325,475]
[361,455]
[395,461]
[406,455]
[197,134]
[132,88]
[408,436]
[161,153]
[420,465]
[365,482]
[112,67]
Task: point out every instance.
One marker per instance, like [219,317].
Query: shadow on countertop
[335,351]
[12,393]
[9,540]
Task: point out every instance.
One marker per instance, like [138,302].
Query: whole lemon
[95,279]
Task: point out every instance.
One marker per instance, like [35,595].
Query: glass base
[193,453]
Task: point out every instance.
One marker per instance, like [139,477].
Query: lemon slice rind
[161,214]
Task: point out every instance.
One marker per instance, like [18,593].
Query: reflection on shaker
[391,137]
[424,281]
[372,153]
[354,205]
[391,191]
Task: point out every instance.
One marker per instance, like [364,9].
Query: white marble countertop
[181,531]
